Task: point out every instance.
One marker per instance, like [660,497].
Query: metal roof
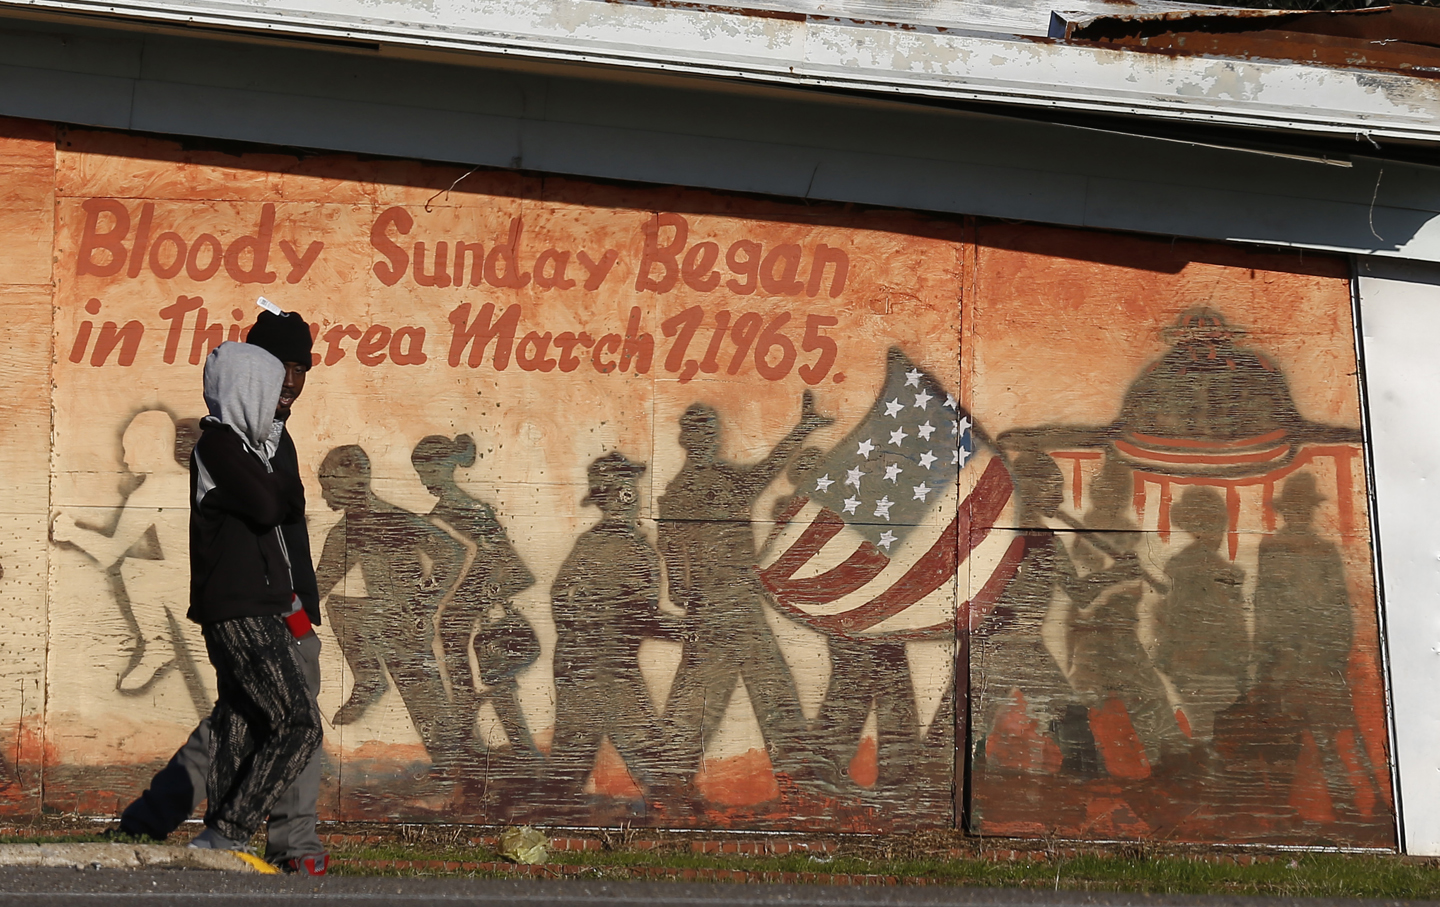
[942,49]
[726,134]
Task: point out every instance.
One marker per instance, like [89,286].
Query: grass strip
[1303,875]
[929,858]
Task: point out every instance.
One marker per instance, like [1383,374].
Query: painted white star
[949,401]
[961,455]
[882,507]
[865,448]
[853,477]
[920,492]
[912,378]
[824,482]
[927,458]
[962,425]
[892,472]
[923,399]
[851,504]
[926,430]
[887,538]
[893,407]
[898,436]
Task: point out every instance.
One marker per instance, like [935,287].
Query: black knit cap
[286,337]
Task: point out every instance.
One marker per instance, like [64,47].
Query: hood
[242,388]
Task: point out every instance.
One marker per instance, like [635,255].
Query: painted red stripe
[979,605]
[1202,459]
[862,566]
[924,576]
[971,525]
[982,507]
[1266,438]
[983,602]
[821,530]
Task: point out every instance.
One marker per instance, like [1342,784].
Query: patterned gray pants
[178,789]
[265,726]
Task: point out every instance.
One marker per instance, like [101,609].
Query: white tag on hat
[268,306]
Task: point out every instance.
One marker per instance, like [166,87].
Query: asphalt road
[119,888]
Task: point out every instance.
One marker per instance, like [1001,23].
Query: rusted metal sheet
[1017,17]
[667,506]
[1402,39]
[821,50]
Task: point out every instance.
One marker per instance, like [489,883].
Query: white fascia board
[793,49]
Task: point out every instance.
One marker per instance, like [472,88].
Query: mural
[679,508]
[151,525]
[1189,549]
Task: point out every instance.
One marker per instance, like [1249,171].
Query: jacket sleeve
[242,486]
[297,533]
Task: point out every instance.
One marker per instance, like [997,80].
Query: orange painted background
[918,367]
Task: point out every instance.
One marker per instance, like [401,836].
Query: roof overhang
[786,45]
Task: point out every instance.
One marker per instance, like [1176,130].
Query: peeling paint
[761,43]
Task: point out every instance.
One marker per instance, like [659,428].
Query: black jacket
[238,567]
[297,534]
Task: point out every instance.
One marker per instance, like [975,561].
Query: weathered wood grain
[1191,649]
[656,505]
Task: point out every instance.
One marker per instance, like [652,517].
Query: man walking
[176,791]
[265,727]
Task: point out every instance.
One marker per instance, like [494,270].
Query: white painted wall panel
[1400,311]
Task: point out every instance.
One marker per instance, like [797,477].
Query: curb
[580,845]
[130,856]
[564,870]
[743,847]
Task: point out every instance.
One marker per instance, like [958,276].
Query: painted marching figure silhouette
[710,556]
[606,601]
[865,674]
[1203,645]
[145,558]
[504,643]
[1304,630]
[1015,656]
[392,627]
[1107,658]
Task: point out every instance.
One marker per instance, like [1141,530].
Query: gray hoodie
[242,389]
[238,563]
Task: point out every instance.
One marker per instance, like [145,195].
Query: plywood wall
[664,506]
[1193,655]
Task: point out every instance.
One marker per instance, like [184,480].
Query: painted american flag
[877,533]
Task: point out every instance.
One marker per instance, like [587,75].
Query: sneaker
[210,839]
[314,864]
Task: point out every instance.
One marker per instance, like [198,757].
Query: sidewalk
[92,855]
